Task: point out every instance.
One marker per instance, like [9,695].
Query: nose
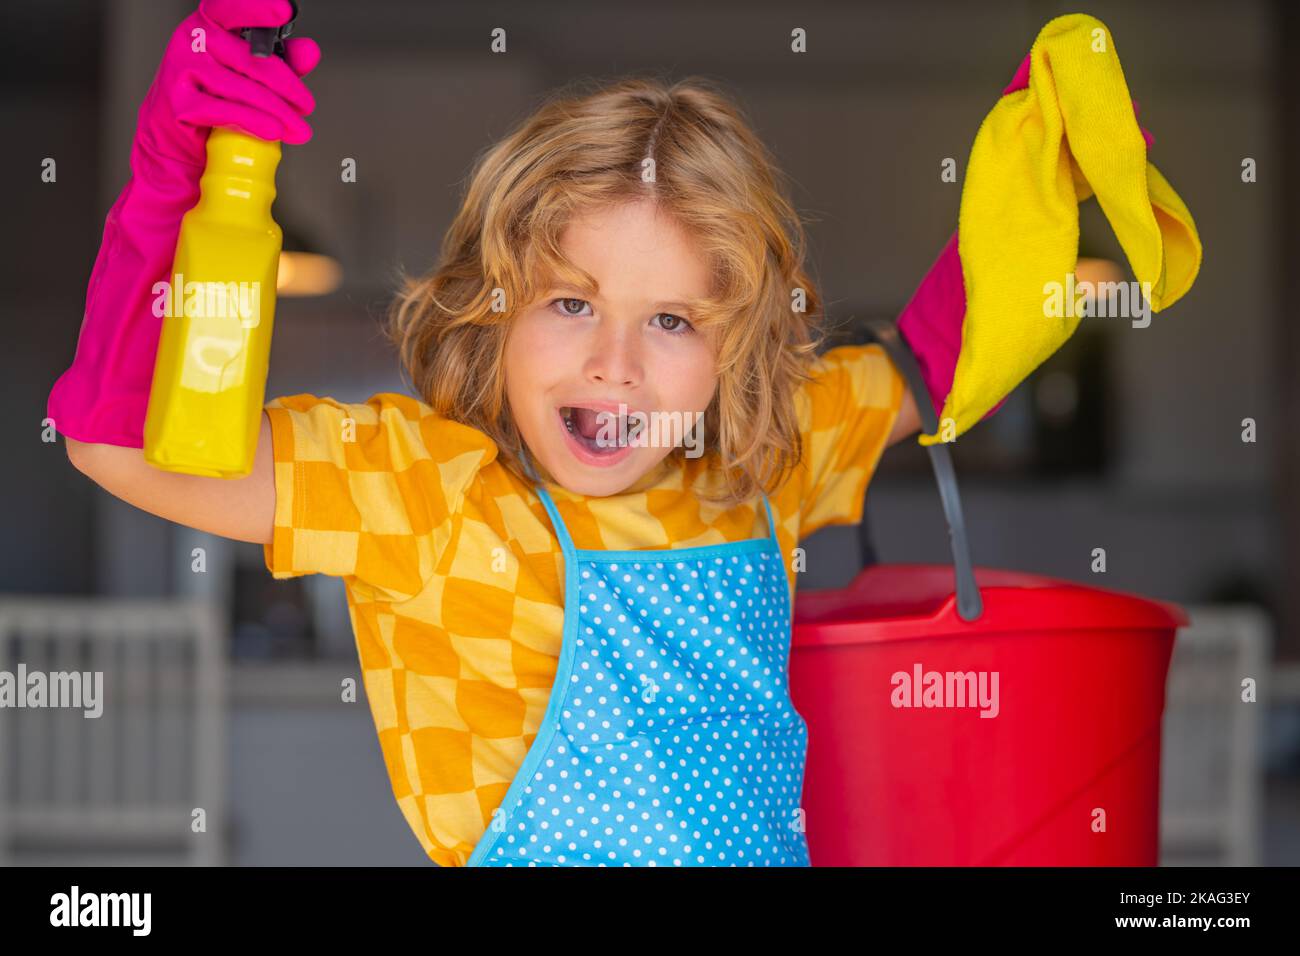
[615,356]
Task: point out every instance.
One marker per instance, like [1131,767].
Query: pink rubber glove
[103,396]
[931,323]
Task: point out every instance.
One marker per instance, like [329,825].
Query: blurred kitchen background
[1129,439]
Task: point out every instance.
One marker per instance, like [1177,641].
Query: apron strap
[561,532]
[771,524]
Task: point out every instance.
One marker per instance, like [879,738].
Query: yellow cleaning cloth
[1070,134]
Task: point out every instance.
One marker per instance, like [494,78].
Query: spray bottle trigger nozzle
[266,41]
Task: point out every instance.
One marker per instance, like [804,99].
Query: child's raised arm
[238,508]
[908,421]
[207,78]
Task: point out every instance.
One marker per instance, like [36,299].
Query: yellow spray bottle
[209,379]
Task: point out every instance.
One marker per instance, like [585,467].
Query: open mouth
[599,432]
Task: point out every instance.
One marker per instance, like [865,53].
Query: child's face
[632,344]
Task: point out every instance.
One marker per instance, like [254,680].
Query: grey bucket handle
[969,603]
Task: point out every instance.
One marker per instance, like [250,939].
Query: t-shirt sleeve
[845,416]
[367,491]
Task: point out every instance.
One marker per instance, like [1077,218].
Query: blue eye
[682,327]
[565,303]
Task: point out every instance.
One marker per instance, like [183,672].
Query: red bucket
[1065,770]
[963,717]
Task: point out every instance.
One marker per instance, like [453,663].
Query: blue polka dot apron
[670,738]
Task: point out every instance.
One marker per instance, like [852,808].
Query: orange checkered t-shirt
[416,515]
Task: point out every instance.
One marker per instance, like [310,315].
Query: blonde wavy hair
[585,148]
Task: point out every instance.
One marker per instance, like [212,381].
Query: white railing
[121,788]
[1212,770]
